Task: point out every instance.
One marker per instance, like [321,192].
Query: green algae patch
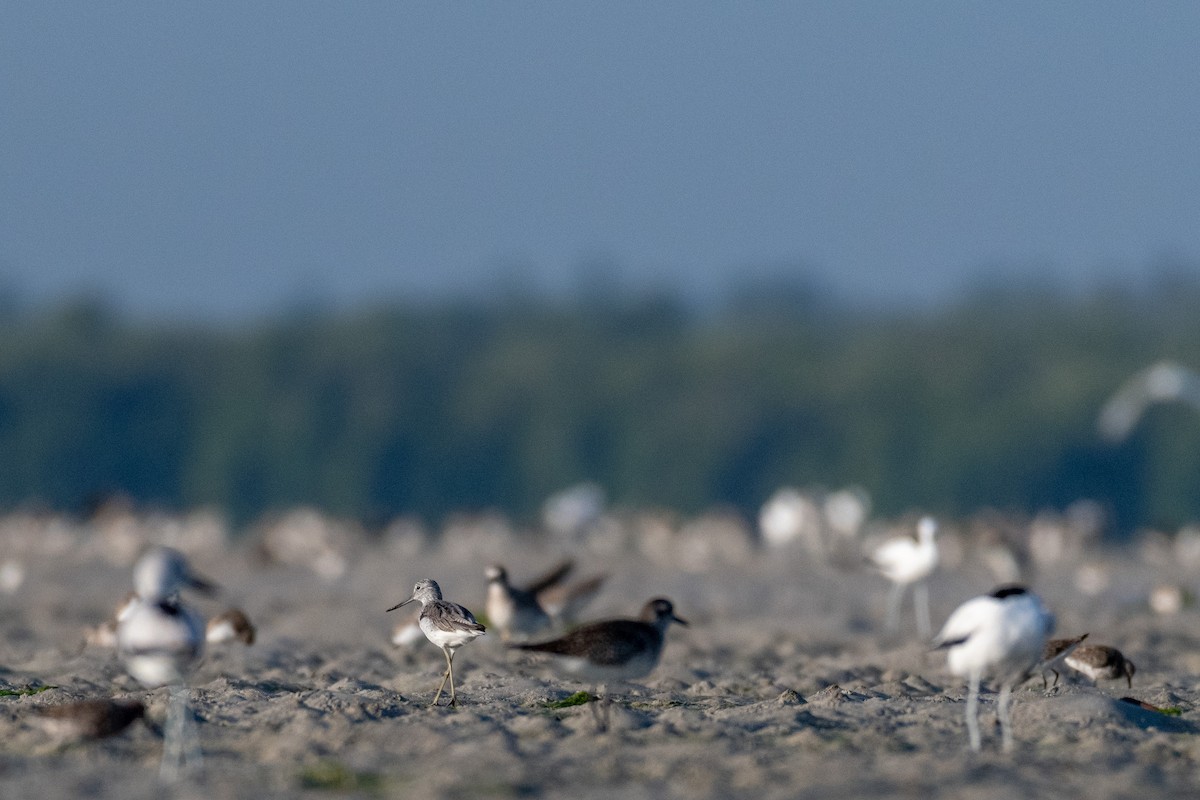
[577,699]
[28,691]
[334,777]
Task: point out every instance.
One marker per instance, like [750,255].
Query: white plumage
[1000,635]
[906,561]
[1163,382]
[160,640]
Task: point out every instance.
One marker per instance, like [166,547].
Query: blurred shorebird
[1001,634]
[1100,662]
[407,630]
[612,650]
[517,612]
[520,613]
[160,640]
[448,625]
[564,601]
[1054,654]
[89,719]
[105,634]
[905,561]
[570,513]
[1163,382]
[231,624]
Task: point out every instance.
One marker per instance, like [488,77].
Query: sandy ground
[784,685]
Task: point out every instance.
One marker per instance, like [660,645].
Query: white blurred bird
[1001,635]
[909,560]
[407,631]
[160,640]
[1163,382]
[571,512]
[105,634]
[789,516]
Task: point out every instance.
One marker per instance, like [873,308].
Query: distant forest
[425,410]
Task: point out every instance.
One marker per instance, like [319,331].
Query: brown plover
[1100,662]
[612,650]
[1000,634]
[446,624]
[231,624]
[89,719]
[1053,656]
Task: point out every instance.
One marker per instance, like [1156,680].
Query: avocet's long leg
[181,743]
[921,606]
[895,597]
[1005,722]
[172,753]
[973,710]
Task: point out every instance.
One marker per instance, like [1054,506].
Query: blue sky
[226,159]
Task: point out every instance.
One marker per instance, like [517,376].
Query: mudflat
[785,683]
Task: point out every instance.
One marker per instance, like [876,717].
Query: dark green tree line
[425,410]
